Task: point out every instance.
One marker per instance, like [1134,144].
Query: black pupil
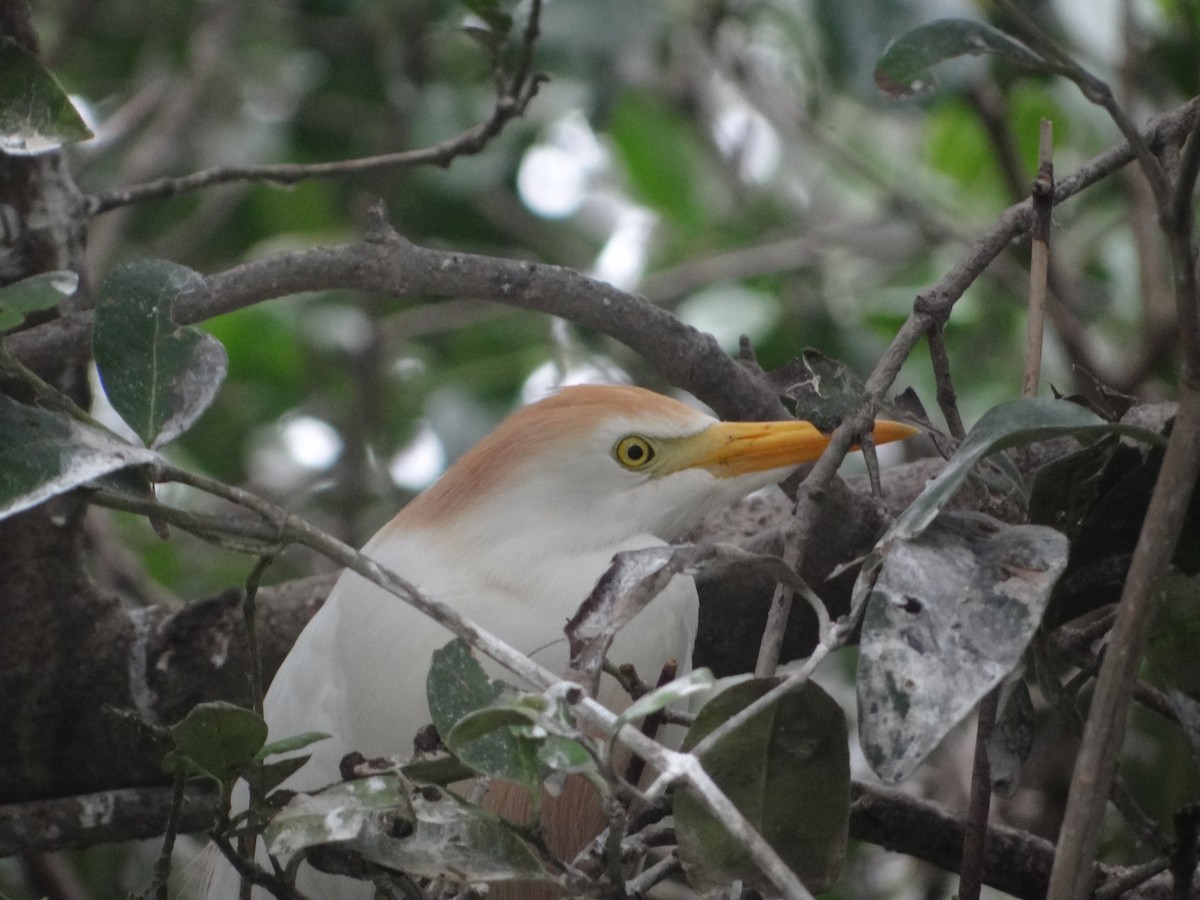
[635,452]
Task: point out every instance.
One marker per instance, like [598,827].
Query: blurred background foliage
[730,160]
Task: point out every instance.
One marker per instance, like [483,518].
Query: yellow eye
[633,452]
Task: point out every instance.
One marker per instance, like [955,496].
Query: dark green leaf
[694,682]
[457,686]
[36,115]
[788,771]
[43,454]
[825,390]
[179,765]
[33,294]
[265,777]
[220,737]
[1064,489]
[905,67]
[949,618]
[288,744]
[159,376]
[439,770]
[482,722]
[1007,425]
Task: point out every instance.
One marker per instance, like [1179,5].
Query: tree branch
[512,98]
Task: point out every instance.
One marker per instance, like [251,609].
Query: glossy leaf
[905,68]
[949,618]
[788,771]
[36,115]
[458,686]
[159,376]
[43,454]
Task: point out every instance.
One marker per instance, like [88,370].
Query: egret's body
[514,536]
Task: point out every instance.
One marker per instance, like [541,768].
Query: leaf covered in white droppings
[949,618]
[44,453]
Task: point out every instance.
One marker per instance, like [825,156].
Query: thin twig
[513,97]
[1098,92]
[979,805]
[162,865]
[947,397]
[250,616]
[1043,208]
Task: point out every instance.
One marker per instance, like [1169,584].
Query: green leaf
[788,771]
[1065,489]
[661,156]
[905,67]
[288,744]
[948,619]
[219,738]
[34,294]
[694,682]
[43,454]
[1007,425]
[482,722]
[159,376]
[567,755]
[339,813]
[457,686]
[441,770]
[36,115]
[265,777]
[825,390]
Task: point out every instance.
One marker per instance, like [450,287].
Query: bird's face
[595,466]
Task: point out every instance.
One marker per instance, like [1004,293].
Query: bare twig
[250,618]
[975,834]
[947,397]
[162,865]
[1043,207]
[1097,92]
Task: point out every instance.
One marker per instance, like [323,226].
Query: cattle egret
[514,536]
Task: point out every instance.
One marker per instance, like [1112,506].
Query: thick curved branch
[388,264]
